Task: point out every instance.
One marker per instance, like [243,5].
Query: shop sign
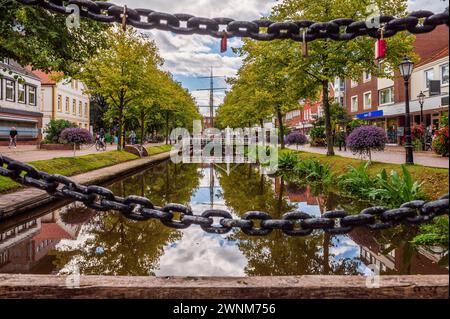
[369,115]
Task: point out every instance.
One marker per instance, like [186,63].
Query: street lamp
[406,69]
[421,98]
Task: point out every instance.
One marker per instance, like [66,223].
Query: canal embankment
[87,170]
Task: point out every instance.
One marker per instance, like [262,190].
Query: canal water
[74,239]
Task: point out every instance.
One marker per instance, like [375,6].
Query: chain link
[262,30]
[297,224]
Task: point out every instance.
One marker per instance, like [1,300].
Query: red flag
[224,42]
[380,49]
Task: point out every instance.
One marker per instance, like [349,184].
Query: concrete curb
[30,198]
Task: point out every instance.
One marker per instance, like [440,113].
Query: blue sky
[190,57]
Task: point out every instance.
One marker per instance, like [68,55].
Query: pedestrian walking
[132,137]
[13,137]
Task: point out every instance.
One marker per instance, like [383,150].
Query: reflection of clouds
[309,209]
[202,254]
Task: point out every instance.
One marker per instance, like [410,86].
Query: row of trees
[127,75]
[276,75]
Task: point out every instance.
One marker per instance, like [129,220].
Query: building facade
[20,104]
[381,101]
[64,100]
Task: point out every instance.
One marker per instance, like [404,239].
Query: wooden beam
[292,287]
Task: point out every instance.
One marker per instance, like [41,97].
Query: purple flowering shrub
[366,139]
[76,136]
[296,138]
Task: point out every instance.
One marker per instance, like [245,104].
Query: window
[85,109]
[367,76]
[429,76]
[21,93]
[444,74]
[354,104]
[387,95]
[76,84]
[353,83]
[10,92]
[74,106]
[32,95]
[80,108]
[67,105]
[367,100]
[59,103]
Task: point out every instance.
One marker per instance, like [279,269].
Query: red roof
[436,56]
[45,77]
[51,231]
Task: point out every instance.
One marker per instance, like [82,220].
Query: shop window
[386,96]
[10,92]
[32,95]
[444,74]
[429,76]
[354,104]
[367,100]
[21,93]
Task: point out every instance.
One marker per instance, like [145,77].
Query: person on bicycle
[101,136]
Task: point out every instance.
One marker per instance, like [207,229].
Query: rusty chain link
[252,223]
[263,30]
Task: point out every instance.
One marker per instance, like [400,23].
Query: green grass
[70,166]
[153,150]
[435,180]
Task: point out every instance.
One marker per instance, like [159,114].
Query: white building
[64,100]
[20,103]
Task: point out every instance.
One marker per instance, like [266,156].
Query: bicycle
[100,145]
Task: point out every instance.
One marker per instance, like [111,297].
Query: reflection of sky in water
[197,253]
[202,254]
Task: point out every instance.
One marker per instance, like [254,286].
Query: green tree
[123,73]
[329,59]
[38,37]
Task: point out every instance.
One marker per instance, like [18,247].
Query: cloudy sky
[191,57]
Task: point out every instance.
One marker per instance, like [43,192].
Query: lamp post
[421,98]
[406,69]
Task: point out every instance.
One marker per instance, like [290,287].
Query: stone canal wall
[30,198]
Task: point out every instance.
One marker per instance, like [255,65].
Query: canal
[73,239]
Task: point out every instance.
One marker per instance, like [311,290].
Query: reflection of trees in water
[246,190]
[118,246]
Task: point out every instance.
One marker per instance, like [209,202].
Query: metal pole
[408,145]
[424,137]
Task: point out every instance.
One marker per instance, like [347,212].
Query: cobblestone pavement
[394,155]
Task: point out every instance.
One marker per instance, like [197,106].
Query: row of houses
[381,101]
[29,99]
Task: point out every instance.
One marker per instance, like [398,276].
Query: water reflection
[74,237]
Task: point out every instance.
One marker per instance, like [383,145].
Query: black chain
[263,30]
[293,224]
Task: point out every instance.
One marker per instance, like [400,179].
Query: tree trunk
[326,109]
[120,133]
[281,127]
[167,127]
[142,126]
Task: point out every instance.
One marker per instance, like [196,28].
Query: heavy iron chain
[263,30]
[295,223]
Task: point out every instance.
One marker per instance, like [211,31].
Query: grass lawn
[70,166]
[153,150]
[435,180]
